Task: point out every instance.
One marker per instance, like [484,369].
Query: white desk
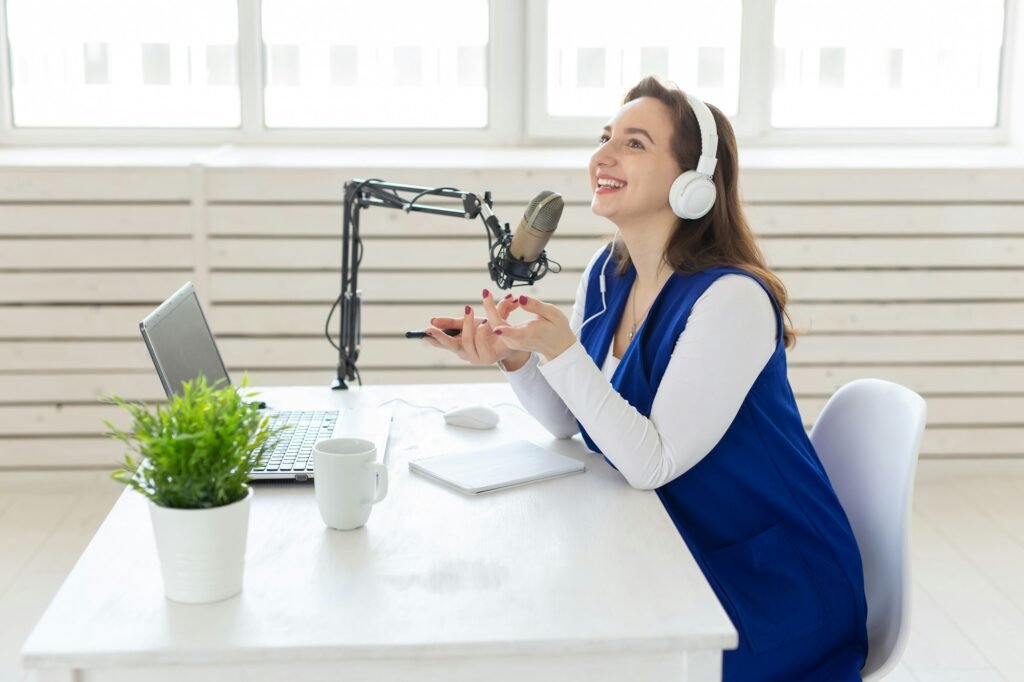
[578,578]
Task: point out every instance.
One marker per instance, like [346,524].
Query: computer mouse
[472,417]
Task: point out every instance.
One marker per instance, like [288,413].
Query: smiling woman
[673,366]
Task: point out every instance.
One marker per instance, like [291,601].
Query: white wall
[913,274]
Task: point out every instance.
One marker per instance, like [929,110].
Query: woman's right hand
[477,343]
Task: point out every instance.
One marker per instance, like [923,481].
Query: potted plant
[191,459]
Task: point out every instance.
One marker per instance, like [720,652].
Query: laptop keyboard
[292,451]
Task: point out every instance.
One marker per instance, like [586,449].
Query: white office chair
[867,437]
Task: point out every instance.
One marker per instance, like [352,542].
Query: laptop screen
[180,342]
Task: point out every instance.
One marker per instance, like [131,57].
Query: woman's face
[633,166]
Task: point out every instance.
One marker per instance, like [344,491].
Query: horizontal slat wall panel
[42,386]
[94,220]
[140,286]
[829,218]
[64,184]
[881,185]
[325,219]
[934,380]
[394,350]
[47,452]
[85,252]
[158,253]
[71,321]
[379,254]
[910,275]
[327,184]
[813,220]
[875,286]
[471,253]
[307,319]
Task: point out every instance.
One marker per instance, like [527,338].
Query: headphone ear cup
[692,195]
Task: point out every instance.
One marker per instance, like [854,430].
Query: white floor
[968,617]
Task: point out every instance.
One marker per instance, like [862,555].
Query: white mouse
[472,417]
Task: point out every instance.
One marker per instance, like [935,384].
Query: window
[123,63]
[500,72]
[594,54]
[386,64]
[838,65]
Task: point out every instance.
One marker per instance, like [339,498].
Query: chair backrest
[867,437]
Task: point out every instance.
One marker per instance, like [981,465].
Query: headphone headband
[708,135]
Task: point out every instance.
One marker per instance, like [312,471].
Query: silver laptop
[182,347]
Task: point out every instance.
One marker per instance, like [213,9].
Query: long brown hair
[722,238]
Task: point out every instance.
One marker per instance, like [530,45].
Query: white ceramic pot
[202,551]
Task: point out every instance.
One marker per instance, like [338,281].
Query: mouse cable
[403,400]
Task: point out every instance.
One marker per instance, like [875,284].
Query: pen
[420,335]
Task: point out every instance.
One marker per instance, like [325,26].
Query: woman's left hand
[549,334]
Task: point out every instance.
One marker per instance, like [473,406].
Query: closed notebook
[494,468]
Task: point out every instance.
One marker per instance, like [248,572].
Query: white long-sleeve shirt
[729,337]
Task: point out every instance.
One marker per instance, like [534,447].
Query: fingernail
[522,300]
[483,322]
[498,332]
[429,333]
[486,293]
[508,296]
[468,310]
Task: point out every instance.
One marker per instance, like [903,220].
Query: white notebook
[494,468]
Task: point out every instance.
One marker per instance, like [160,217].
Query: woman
[674,367]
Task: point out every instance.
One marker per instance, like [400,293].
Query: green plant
[196,451]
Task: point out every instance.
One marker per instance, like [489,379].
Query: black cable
[359,260]
[436,190]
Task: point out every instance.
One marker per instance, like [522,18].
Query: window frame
[752,122]
[516,70]
[504,88]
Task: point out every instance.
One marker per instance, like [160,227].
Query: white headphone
[693,193]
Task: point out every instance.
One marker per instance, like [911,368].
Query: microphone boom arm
[360,194]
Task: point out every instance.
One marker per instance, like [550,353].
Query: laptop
[182,347]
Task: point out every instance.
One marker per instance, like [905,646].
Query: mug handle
[381,477]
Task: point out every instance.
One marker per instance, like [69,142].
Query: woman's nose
[602,156]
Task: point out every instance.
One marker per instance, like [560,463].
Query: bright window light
[594,56]
[385,64]
[124,63]
[879,63]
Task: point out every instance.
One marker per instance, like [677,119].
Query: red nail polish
[522,300]
[497,332]
[508,296]
[486,293]
[468,310]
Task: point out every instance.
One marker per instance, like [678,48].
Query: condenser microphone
[535,229]
[521,258]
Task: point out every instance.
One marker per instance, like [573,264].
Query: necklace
[636,322]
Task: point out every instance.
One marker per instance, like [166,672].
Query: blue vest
[758,512]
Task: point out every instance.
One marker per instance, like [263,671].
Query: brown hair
[722,238]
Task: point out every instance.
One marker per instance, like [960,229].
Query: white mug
[348,481]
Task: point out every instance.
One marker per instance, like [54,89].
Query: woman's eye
[635,143]
[602,139]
